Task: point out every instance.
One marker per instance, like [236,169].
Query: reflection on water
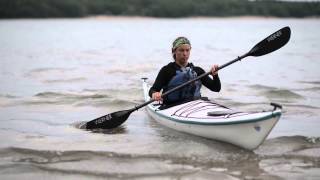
[117,130]
[57,73]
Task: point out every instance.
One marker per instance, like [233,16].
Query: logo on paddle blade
[274,36]
[103,119]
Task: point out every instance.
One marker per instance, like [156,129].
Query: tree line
[156,8]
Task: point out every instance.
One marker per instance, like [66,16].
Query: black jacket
[169,71]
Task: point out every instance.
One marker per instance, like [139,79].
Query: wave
[84,164]
[69,95]
[290,145]
[310,82]
[102,97]
[46,70]
[302,106]
[276,93]
[58,98]
[313,89]
[282,94]
[87,97]
[39,72]
[261,87]
[8,96]
[7,100]
[38,121]
[72,80]
[131,69]
[105,103]
[290,152]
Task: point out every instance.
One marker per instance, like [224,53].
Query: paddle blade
[271,43]
[108,121]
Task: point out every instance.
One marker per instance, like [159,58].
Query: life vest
[187,92]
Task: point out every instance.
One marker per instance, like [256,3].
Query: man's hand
[214,70]
[156,96]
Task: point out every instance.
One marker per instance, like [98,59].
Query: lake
[55,73]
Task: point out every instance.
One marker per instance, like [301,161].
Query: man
[180,71]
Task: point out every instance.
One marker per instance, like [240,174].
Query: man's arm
[160,81]
[211,83]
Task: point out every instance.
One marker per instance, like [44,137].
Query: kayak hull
[245,135]
[246,130]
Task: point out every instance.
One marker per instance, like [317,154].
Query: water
[55,73]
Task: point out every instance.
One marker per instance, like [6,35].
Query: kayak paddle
[271,43]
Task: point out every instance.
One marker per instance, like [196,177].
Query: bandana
[180,41]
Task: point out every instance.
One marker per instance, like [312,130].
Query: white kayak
[214,121]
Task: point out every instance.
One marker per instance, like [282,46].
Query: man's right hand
[156,96]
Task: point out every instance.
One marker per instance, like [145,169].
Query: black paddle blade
[271,43]
[108,121]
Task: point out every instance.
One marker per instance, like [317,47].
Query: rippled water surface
[55,73]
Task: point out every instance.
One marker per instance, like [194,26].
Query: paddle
[271,43]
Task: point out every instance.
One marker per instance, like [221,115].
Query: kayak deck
[196,112]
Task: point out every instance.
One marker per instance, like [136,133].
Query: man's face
[182,54]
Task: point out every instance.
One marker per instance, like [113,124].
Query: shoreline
[194,17]
[122,17]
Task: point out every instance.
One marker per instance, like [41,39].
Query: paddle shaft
[191,81]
